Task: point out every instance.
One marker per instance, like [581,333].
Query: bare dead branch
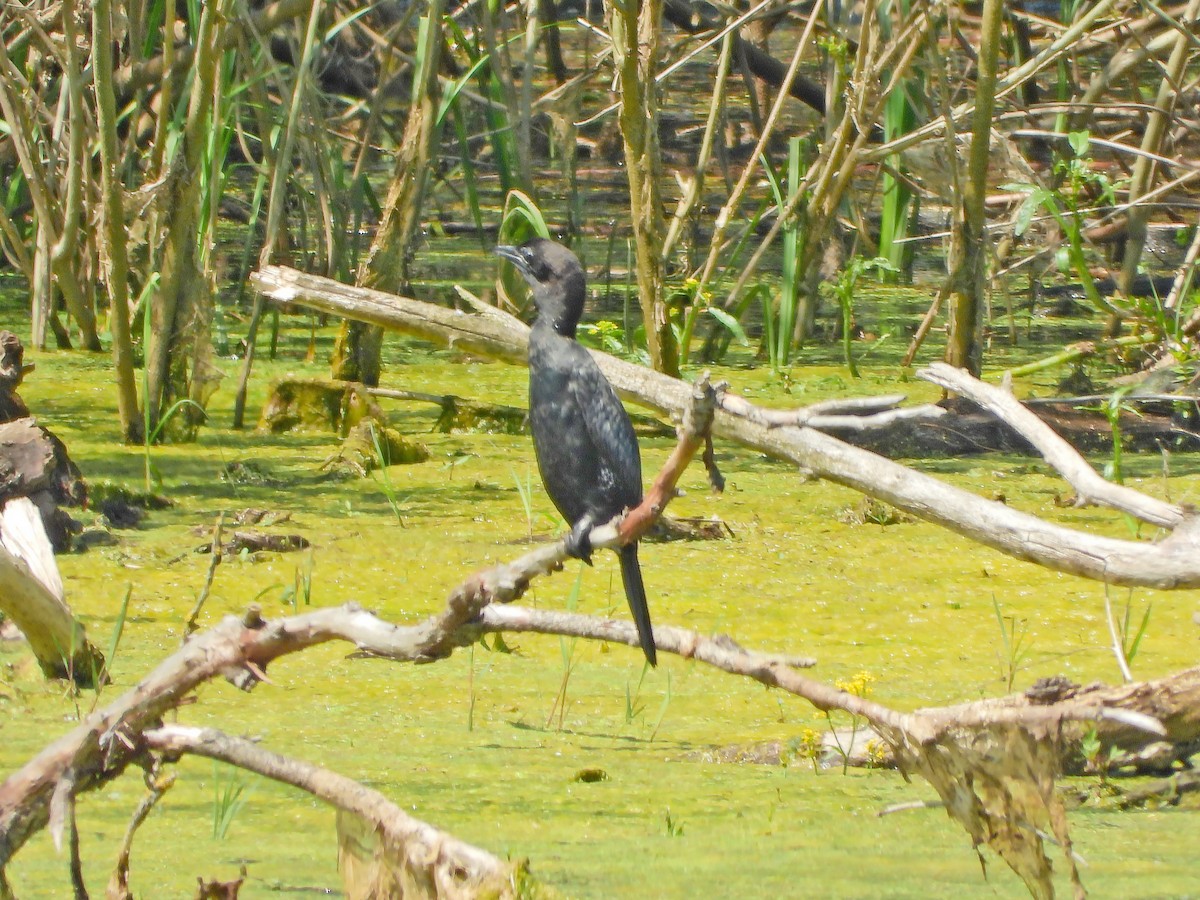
[100,748]
[428,856]
[118,884]
[720,650]
[924,741]
[1170,564]
[241,651]
[852,414]
[62,822]
[1088,483]
[189,626]
[1122,712]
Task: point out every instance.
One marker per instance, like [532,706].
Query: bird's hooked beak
[513,255]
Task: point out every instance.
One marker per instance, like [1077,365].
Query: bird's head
[557,279]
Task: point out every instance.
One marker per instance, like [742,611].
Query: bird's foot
[579,541]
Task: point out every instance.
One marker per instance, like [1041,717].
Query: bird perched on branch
[586,450]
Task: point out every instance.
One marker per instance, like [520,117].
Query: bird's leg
[579,541]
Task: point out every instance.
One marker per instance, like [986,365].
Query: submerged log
[371,444]
[257,542]
[966,429]
[317,404]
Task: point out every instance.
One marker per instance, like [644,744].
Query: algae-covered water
[474,744]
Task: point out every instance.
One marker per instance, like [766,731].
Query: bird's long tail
[635,593]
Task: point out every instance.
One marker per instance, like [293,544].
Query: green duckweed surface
[474,743]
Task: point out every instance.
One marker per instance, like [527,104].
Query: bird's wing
[611,431]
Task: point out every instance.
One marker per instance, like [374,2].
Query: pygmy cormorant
[586,450]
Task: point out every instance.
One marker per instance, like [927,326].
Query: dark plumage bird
[586,450]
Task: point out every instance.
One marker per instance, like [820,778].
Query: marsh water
[475,744]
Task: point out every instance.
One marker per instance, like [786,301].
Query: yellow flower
[859,685]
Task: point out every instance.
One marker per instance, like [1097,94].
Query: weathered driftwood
[36,477]
[32,596]
[1089,485]
[1171,563]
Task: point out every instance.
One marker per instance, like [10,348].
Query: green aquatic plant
[634,707]
[1096,759]
[1014,645]
[1112,409]
[522,218]
[779,318]
[382,461]
[674,825]
[662,707]
[1065,205]
[525,492]
[301,587]
[566,649]
[230,793]
[843,290]
[456,458]
[604,335]
[900,117]
[1126,640]
[479,70]
[808,745]
[114,644]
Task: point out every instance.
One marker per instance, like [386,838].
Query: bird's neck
[549,324]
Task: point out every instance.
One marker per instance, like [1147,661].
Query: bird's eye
[537,266]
